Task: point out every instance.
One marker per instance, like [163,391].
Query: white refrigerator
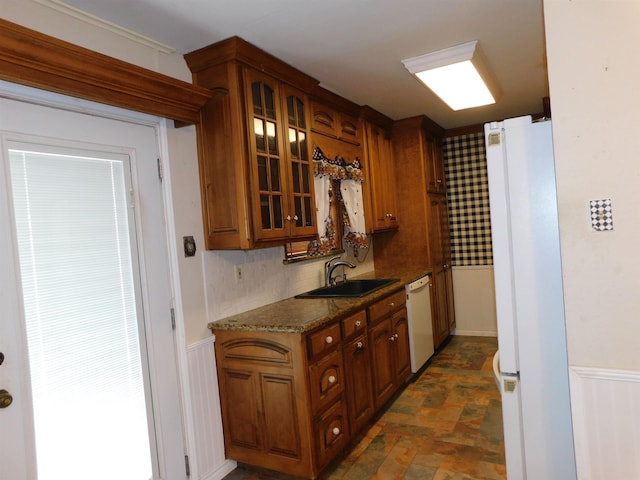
[531,363]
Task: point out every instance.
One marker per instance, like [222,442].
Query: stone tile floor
[447,425]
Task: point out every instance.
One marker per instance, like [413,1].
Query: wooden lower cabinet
[390,355]
[292,402]
[265,401]
[357,366]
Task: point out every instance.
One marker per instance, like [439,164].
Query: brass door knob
[5,399]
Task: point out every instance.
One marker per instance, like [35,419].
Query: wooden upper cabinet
[380,188]
[334,123]
[436,182]
[254,152]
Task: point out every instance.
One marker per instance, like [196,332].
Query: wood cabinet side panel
[222,160]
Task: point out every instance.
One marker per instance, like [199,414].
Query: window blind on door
[82,322]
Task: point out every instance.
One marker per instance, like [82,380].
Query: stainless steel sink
[350,288]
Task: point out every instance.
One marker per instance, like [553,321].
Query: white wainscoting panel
[474,301]
[210,462]
[606,423]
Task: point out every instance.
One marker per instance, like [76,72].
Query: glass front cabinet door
[281,169]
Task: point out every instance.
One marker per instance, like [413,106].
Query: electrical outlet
[238,273]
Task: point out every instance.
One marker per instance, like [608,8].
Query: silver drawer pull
[332,379]
[329,339]
[392,304]
[358,323]
[359,346]
[336,431]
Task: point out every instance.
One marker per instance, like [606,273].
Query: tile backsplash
[265,279]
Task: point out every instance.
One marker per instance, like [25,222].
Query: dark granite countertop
[298,315]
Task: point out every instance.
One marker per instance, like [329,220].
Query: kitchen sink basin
[350,288]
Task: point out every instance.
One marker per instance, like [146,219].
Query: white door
[88,381]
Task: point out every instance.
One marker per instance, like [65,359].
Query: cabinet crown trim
[239,50]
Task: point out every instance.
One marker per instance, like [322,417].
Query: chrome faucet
[329,267]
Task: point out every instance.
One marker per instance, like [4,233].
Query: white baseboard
[606,420]
[222,471]
[475,333]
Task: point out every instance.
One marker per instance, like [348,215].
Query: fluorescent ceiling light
[458,75]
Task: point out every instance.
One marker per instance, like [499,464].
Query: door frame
[160,125]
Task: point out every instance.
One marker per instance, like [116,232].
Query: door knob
[5,399]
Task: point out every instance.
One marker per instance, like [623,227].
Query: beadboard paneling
[208,461]
[606,423]
[474,297]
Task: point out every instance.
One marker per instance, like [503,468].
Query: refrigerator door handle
[496,368]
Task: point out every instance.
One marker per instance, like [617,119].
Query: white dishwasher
[420,326]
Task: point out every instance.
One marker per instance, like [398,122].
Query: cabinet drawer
[354,323]
[387,305]
[331,433]
[324,340]
[327,380]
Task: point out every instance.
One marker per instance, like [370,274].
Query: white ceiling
[355,47]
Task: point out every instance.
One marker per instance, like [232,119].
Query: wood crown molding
[31,58]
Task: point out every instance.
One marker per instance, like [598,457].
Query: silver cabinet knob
[336,431]
[358,323]
[359,346]
[329,339]
[332,379]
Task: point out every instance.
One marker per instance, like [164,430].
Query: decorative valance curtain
[350,176]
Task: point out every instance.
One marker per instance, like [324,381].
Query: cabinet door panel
[402,357]
[359,382]
[280,416]
[267,161]
[241,412]
[439,307]
[381,355]
[301,211]
[381,180]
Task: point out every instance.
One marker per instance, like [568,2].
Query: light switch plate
[601,215]
[189,246]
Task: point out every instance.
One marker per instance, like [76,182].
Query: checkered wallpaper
[468,198]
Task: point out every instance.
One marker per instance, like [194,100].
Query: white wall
[594,82]
[594,78]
